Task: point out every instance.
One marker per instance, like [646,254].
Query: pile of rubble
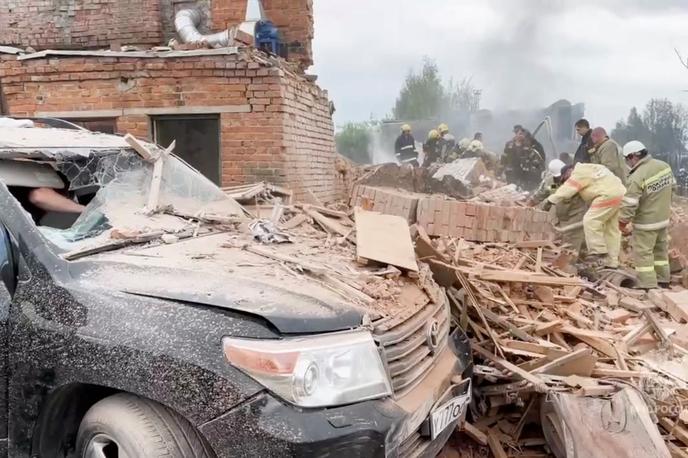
[537,330]
[560,362]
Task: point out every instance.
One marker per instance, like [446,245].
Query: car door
[7,285]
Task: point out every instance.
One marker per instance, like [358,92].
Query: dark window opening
[198,141]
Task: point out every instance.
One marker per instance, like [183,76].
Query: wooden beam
[140,148]
[474,433]
[580,362]
[495,445]
[538,383]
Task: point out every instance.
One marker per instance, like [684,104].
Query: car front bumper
[267,427]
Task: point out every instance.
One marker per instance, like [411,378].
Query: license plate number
[448,413]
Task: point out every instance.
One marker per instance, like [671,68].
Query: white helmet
[475,146]
[464,143]
[555,167]
[633,147]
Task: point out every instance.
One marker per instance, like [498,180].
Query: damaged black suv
[131,331]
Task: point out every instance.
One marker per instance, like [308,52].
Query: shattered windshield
[119,209]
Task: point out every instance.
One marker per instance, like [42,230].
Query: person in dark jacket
[583,129]
[405,147]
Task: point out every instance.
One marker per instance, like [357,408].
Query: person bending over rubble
[447,144]
[431,148]
[569,212]
[604,192]
[647,205]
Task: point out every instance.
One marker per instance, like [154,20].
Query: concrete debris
[468,171]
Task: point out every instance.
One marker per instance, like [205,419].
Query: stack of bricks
[482,222]
[387,200]
[275,125]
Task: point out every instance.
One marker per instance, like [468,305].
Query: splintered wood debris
[538,330]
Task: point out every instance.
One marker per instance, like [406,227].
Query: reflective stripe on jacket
[594,183]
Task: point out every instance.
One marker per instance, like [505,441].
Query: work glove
[624,227]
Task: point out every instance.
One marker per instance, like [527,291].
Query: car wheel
[127,426]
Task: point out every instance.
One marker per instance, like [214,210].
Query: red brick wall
[281,131]
[295,20]
[79,23]
[63,24]
[226,13]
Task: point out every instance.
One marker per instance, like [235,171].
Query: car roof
[51,143]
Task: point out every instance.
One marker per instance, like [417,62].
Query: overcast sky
[609,54]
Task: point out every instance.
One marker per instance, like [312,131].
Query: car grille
[406,346]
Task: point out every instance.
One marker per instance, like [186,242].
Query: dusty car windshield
[123,183]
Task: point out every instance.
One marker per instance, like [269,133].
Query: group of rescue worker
[600,193]
[440,147]
[609,191]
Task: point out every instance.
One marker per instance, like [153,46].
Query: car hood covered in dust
[203,271]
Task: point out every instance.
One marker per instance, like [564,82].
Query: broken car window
[124,181]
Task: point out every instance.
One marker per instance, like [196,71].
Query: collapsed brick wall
[45,24]
[275,125]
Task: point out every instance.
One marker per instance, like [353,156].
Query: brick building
[237,114]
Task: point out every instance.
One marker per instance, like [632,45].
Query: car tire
[131,426]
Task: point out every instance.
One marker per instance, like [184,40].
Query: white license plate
[448,413]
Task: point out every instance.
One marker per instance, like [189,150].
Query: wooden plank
[619,315]
[474,433]
[676,451]
[262,251]
[495,445]
[330,225]
[633,304]
[294,222]
[595,342]
[154,192]
[676,305]
[538,383]
[516,276]
[676,430]
[580,362]
[657,327]
[548,328]
[385,239]
[140,148]
[619,373]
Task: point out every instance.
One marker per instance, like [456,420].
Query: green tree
[353,141]
[424,96]
[663,128]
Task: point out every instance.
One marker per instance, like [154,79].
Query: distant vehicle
[129,346]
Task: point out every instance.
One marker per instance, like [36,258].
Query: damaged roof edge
[136,54]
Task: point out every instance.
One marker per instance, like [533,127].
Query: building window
[198,141]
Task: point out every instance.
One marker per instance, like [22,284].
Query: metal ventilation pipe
[186,23]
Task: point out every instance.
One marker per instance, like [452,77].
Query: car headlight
[318,371]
